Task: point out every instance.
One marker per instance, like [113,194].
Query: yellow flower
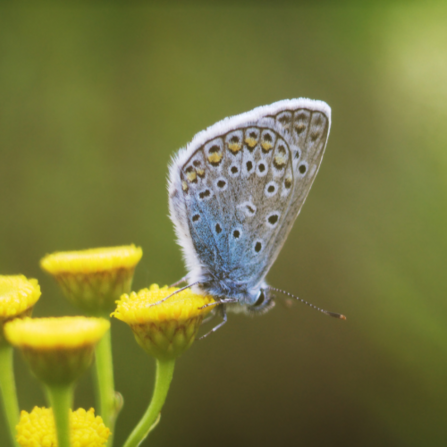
[58,350]
[37,429]
[94,279]
[17,298]
[167,329]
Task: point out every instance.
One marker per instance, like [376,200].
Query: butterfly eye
[261,299]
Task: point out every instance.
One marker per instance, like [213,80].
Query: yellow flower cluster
[92,260]
[17,298]
[17,294]
[137,308]
[37,429]
[167,329]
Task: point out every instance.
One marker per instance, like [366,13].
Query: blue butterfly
[235,192]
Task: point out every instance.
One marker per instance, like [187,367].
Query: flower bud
[58,350]
[94,279]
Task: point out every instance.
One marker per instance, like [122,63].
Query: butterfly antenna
[173,293]
[326,312]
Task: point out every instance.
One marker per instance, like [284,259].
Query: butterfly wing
[237,188]
[306,131]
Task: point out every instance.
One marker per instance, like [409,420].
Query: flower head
[94,279]
[166,329]
[37,428]
[58,350]
[17,298]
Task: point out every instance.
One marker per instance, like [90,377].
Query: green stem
[8,390]
[61,399]
[163,377]
[108,406]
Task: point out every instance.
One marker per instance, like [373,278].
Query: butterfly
[235,192]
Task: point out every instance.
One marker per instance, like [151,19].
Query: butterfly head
[264,302]
[257,300]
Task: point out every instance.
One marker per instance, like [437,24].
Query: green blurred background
[94,100]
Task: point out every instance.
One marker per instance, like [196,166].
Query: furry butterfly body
[235,191]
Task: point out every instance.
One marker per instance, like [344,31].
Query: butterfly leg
[184,279]
[209,317]
[223,312]
[215,328]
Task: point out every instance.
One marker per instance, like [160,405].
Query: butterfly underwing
[235,191]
